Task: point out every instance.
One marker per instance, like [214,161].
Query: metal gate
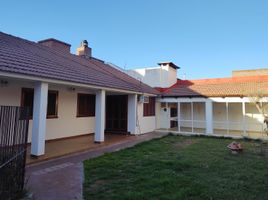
[14,122]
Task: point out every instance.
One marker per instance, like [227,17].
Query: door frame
[116,103]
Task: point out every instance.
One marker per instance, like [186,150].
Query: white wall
[67,124]
[172,76]
[145,124]
[162,76]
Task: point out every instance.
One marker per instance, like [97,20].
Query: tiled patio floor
[57,148]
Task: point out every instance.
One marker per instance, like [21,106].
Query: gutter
[74,84]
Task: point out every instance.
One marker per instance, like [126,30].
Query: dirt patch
[184,143]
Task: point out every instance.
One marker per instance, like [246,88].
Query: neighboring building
[251,72]
[162,76]
[70,95]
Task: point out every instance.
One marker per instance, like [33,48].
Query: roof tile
[21,56]
[221,87]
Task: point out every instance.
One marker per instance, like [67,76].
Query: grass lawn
[177,167]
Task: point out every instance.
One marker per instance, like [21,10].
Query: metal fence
[14,122]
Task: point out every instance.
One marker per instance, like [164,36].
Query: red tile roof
[24,57]
[218,87]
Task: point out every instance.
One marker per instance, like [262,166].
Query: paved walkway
[62,178]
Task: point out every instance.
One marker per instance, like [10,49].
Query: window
[173,112]
[85,105]
[52,104]
[27,98]
[149,108]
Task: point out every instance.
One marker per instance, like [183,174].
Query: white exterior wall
[66,125]
[162,76]
[172,76]
[145,124]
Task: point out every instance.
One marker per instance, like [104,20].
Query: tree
[258,99]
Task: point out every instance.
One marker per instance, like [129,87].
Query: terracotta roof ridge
[223,80]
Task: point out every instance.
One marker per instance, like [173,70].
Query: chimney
[84,50]
[56,44]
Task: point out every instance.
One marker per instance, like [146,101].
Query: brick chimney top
[56,44]
[84,50]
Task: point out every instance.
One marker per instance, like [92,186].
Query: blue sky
[206,38]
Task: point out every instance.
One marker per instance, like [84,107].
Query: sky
[206,38]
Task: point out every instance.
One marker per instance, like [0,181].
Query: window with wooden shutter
[149,108]
[27,99]
[85,105]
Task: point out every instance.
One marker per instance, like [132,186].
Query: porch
[231,116]
[72,145]
[61,110]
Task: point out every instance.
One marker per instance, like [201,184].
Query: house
[218,107]
[70,95]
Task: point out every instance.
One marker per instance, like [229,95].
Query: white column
[192,116]
[168,116]
[39,119]
[100,116]
[244,118]
[227,117]
[209,117]
[179,116]
[132,113]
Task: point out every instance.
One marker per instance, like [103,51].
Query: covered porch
[109,122]
[230,116]
[72,145]
[60,111]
